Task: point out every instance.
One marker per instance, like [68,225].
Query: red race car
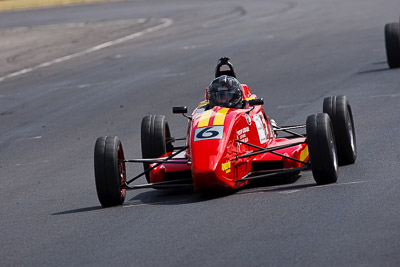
[230,141]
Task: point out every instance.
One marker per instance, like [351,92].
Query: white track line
[388,95]
[165,22]
[74,25]
[295,105]
[32,163]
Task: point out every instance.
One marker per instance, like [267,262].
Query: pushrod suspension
[156,165]
[271,174]
[288,128]
[158,160]
[262,150]
[175,183]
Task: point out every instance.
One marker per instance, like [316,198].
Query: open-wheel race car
[392,42]
[230,141]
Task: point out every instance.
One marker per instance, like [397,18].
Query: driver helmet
[225,91]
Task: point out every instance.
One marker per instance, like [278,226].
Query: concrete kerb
[9,5]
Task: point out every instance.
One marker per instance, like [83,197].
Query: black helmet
[225,91]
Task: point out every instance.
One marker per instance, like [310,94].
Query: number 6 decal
[206,133]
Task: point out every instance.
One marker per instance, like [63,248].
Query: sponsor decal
[226,167]
[260,124]
[265,123]
[304,153]
[243,131]
[248,119]
[206,133]
[241,135]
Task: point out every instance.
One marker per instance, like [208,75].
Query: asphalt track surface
[293,54]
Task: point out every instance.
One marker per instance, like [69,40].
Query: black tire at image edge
[392,42]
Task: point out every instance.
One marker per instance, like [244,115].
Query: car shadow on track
[373,71]
[279,184]
[188,196]
[159,197]
[78,210]
[386,68]
[176,197]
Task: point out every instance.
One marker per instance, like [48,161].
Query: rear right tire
[339,110]
[155,139]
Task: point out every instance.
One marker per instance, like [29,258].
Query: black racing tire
[155,139]
[392,41]
[109,171]
[322,148]
[339,110]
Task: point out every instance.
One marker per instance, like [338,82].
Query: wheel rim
[335,161]
[121,169]
[168,139]
[166,136]
[333,152]
[350,128]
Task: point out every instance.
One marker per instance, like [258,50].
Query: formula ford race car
[228,147]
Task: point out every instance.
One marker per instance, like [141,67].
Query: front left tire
[110,171]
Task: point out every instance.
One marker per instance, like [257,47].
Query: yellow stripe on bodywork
[219,118]
[205,118]
[304,154]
